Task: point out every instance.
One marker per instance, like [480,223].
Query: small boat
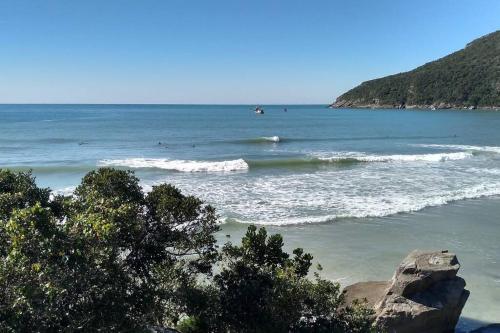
[259,110]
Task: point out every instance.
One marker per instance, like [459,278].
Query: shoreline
[348,253]
[413,107]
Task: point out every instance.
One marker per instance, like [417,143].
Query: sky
[222,52]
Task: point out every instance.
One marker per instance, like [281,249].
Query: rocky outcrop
[424,295]
[467,78]
[345,104]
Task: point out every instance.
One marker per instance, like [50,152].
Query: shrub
[111,258]
[261,289]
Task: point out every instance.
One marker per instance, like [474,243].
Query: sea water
[359,188]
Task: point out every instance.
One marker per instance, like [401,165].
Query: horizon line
[222,104]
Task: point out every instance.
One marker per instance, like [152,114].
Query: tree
[110,258]
[261,289]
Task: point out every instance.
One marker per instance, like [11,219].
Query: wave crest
[271,138]
[488,149]
[242,165]
[259,140]
[400,158]
[179,165]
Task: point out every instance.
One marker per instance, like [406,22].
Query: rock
[372,292]
[424,295]
[340,104]
[443,105]
[419,270]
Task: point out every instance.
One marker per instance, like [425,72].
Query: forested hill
[466,78]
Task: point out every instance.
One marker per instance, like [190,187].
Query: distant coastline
[466,79]
[416,107]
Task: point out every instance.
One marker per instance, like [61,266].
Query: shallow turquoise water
[335,179]
[353,250]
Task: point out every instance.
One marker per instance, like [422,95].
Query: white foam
[278,207]
[179,165]
[399,158]
[271,138]
[66,191]
[402,184]
[407,183]
[491,149]
[484,171]
[375,207]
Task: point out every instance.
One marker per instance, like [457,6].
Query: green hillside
[469,77]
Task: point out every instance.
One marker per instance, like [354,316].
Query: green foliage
[191,325]
[111,258]
[261,289]
[108,259]
[18,190]
[469,77]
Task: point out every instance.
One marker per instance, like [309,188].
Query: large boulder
[424,295]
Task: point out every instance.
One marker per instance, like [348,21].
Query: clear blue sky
[231,51]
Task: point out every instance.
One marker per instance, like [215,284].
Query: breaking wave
[381,208]
[244,165]
[262,139]
[400,158]
[489,149]
[275,139]
[179,165]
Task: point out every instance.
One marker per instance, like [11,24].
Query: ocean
[357,188]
